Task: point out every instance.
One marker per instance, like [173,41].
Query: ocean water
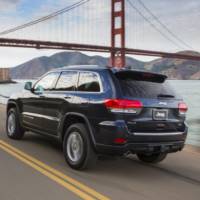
[189,90]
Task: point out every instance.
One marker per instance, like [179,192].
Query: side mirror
[28,86]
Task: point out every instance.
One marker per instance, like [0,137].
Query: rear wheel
[77,147]
[13,126]
[152,158]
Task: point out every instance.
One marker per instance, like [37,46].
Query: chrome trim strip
[158,134]
[107,123]
[28,114]
[123,111]
[30,117]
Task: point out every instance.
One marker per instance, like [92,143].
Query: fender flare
[11,102]
[62,123]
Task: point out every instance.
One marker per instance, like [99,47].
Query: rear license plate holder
[160,115]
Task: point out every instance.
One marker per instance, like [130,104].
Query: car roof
[122,72]
[81,67]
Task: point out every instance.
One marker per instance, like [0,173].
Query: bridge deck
[5,42]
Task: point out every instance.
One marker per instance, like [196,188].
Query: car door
[33,102]
[59,101]
[89,87]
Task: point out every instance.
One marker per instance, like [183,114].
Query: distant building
[4,74]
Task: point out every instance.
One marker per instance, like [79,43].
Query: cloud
[81,25]
[51,6]
[7,5]
[181,17]
[90,24]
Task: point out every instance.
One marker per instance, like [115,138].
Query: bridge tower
[118,58]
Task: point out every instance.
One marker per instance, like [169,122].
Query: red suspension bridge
[106,26]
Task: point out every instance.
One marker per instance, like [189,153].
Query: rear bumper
[169,147]
[138,142]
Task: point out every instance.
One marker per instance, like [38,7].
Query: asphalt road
[38,171]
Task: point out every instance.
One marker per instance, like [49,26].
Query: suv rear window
[88,82]
[146,89]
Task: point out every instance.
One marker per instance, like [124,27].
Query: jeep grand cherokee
[95,110]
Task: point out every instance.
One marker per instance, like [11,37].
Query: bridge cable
[45,18]
[154,26]
[163,25]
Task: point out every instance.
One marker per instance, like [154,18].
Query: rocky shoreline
[7,82]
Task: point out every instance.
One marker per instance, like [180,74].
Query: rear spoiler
[140,76]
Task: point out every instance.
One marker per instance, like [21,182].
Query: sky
[90,24]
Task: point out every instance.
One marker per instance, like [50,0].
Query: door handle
[84,104]
[68,97]
[42,96]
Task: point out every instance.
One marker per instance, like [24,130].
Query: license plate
[160,114]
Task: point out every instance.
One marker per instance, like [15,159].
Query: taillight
[182,108]
[124,106]
[120,141]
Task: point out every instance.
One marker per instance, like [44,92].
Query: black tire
[152,158]
[87,157]
[17,132]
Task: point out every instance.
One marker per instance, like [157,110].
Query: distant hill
[174,68]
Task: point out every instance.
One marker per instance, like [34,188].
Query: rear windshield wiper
[165,96]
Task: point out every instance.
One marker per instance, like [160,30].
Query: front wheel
[77,147]
[13,126]
[152,158]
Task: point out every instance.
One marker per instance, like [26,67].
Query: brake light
[124,106]
[120,141]
[182,108]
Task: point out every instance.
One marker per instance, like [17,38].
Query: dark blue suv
[95,110]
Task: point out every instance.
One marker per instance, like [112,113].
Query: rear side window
[88,82]
[67,81]
[146,89]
